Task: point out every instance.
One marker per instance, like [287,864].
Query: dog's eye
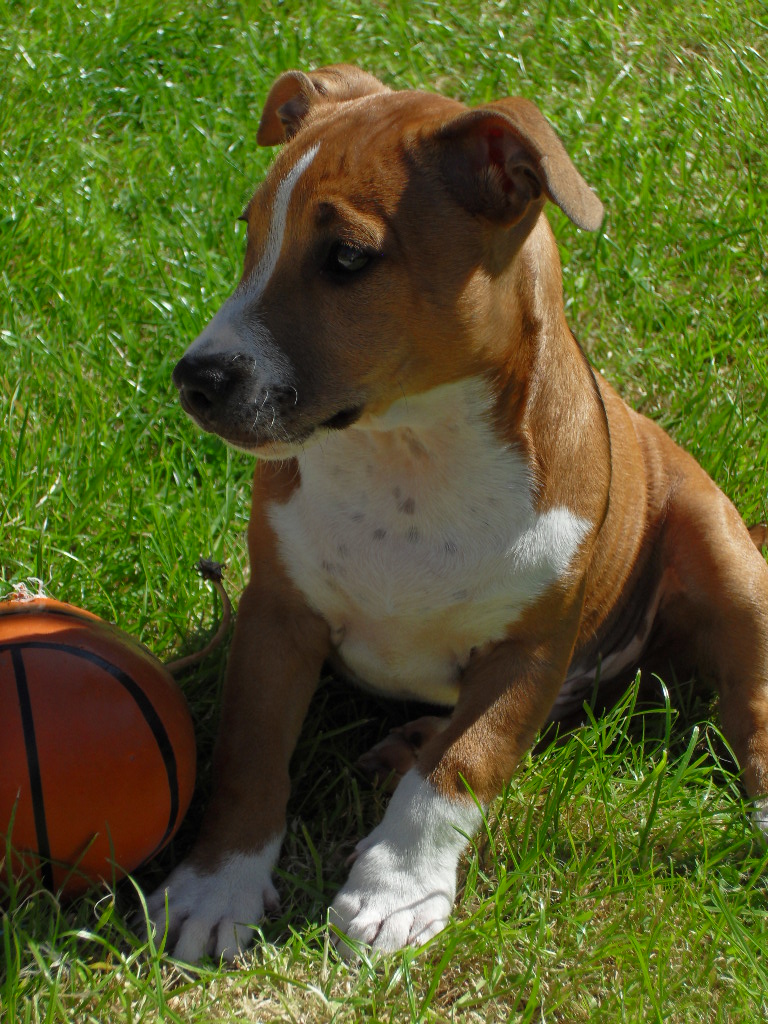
[346,259]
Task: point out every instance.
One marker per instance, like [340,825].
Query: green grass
[618,879]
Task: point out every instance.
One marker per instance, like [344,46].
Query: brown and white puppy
[448,503]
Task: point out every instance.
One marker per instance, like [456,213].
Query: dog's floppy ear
[502,157]
[294,94]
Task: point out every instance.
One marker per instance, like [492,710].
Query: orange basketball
[97,750]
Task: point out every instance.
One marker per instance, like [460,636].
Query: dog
[449,503]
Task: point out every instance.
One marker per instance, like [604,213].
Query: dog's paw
[398,752]
[387,906]
[214,913]
[402,884]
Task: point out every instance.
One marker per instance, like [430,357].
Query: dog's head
[378,245]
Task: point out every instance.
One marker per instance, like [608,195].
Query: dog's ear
[502,157]
[294,94]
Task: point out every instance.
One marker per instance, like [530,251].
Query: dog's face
[372,244]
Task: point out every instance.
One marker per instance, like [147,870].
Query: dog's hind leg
[714,615]
[389,760]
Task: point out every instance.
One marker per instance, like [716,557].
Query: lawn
[618,878]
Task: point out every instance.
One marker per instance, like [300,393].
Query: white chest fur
[416,538]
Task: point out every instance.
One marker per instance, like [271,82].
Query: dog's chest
[419,543]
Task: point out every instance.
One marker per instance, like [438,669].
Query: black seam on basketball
[151,717]
[33,767]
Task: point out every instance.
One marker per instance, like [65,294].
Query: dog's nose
[204,383]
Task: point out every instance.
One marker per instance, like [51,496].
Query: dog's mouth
[280,440]
[343,419]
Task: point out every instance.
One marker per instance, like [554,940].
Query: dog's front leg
[222,889]
[402,884]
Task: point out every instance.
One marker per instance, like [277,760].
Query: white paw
[388,906]
[213,913]
[402,885]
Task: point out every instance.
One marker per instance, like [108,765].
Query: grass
[618,879]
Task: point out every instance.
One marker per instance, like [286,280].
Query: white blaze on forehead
[236,326]
[258,280]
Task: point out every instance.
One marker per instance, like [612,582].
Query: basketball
[97,749]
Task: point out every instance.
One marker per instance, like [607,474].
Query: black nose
[205,383]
